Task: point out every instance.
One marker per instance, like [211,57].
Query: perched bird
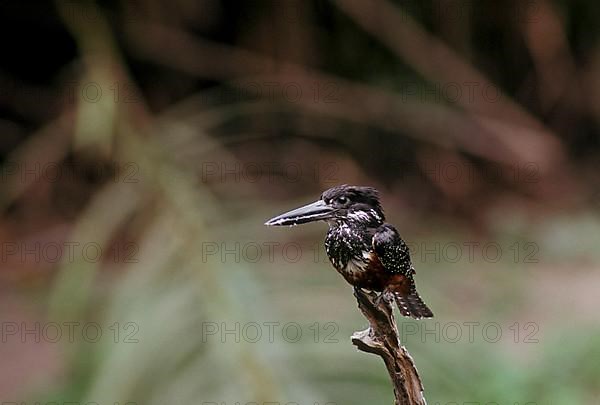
[366,251]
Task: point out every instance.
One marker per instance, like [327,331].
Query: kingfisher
[368,252]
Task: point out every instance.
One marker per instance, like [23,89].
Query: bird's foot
[381,299]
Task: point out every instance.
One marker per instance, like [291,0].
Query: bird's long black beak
[309,213]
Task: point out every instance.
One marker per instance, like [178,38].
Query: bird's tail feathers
[410,304]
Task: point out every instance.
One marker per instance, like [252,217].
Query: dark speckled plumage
[366,251]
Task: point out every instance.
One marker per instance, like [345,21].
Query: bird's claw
[381,299]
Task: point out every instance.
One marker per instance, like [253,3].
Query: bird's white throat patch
[361,216]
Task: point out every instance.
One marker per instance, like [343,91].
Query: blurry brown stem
[503,124]
[381,338]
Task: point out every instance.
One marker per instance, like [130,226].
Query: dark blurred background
[144,143]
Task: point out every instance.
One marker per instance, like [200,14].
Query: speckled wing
[394,255]
[391,250]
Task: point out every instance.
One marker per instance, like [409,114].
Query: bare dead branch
[381,338]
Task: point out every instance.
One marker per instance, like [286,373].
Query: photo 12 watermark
[68,332]
[74,92]
[93,92]
[67,252]
[55,172]
[421,252]
[269,172]
[452,92]
[267,91]
[468,332]
[66,403]
[493,403]
[81,13]
[464,172]
[269,332]
[267,403]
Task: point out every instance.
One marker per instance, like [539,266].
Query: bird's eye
[342,200]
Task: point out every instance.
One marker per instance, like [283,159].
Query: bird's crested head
[339,204]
